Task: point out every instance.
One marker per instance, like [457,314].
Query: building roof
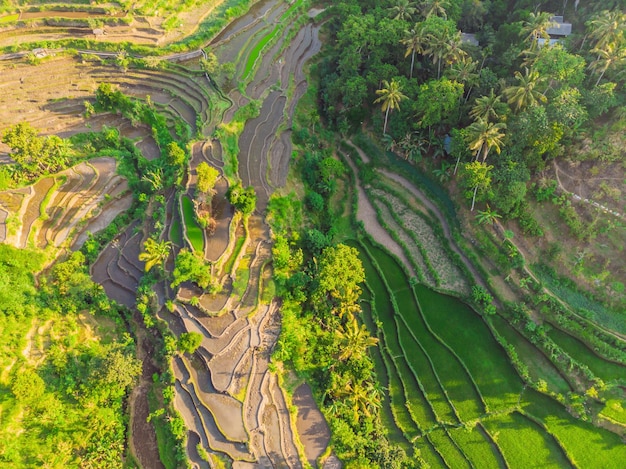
[542,42]
[559,28]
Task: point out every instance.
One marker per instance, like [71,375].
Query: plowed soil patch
[312,428]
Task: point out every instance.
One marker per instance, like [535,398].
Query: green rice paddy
[606,370]
[452,392]
[194,232]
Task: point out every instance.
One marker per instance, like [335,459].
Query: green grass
[194,232]
[428,453]
[475,446]
[256,50]
[589,446]
[242,276]
[395,435]
[165,439]
[446,447]
[614,411]
[550,441]
[451,373]
[604,369]
[9,18]
[420,365]
[446,370]
[580,302]
[524,443]
[466,333]
[228,267]
[539,366]
[383,312]
[58,181]
[416,402]
[176,231]
[432,188]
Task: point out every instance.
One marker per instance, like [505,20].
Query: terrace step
[215,439]
[226,411]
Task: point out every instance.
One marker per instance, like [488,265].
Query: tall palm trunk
[474,198]
[385,126]
[412,62]
[601,75]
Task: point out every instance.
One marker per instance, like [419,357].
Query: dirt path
[366,213]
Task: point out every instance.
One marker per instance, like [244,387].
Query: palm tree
[409,146]
[607,28]
[488,107]
[455,53]
[390,97]
[355,340]
[611,56]
[435,7]
[155,253]
[154,178]
[389,143]
[464,71]
[415,42]
[537,27]
[487,216]
[439,48]
[477,175]
[524,94]
[364,397]
[484,136]
[348,305]
[403,10]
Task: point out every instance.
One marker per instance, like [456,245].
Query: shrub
[189,342]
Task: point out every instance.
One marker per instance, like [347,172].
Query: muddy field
[231,403]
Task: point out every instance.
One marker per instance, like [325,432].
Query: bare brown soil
[229,399]
[312,427]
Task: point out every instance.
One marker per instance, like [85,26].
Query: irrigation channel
[453,397]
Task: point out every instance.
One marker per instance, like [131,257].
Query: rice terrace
[300,234]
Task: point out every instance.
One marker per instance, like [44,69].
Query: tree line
[498,110]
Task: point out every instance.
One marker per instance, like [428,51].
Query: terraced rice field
[452,397]
[451,392]
[229,400]
[231,404]
[59,211]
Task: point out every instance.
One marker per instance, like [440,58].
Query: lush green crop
[194,232]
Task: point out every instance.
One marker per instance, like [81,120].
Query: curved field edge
[561,451]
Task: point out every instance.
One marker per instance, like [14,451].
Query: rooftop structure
[559,28]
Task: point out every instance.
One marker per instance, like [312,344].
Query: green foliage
[77,378]
[188,342]
[17,267]
[111,376]
[155,253]
[35,156]
[192,229]
[243,199]
[437,102]
[339,274]
[191,267]
[27,386]
[207,177]
[176,156]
